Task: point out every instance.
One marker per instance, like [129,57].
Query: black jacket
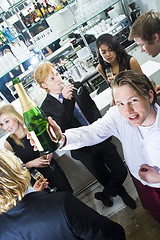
[56,216]
[62,113]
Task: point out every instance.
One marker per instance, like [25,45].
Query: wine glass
[37,175]
[79,90]
[109,72]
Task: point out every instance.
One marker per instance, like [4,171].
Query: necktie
[77,114]
[61,97]
[80,117]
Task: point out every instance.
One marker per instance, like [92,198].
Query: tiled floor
[138,223]
[87,197]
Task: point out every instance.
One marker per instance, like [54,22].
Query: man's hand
[149,174]
[67,91]
[57,130]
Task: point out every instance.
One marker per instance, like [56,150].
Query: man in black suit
[71,110]
[26,214]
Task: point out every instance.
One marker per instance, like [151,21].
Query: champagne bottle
[36,121]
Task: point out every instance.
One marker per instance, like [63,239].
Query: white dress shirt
[141,145]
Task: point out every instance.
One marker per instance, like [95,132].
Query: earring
[118,58]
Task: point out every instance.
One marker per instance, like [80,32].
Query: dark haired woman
[113,57]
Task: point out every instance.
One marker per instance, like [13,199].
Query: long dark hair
[115,46]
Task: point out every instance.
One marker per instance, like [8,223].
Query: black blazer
[56,216]
[62,113]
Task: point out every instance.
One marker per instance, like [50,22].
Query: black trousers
[105,164]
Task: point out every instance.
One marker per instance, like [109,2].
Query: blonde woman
[11,121]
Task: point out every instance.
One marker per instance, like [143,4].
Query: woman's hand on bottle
[40,185]
[47,157]
[67,91]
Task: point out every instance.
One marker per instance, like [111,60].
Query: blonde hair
[42,72]
[14,180]
[10,111]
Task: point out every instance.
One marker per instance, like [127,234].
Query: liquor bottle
[50,8]
[41,9]
[61,69]
[37,10]
[46,13]
[25,20]
[34,18]
[3,38]
[64,2]
[57,4]
[36,121]
[70,62]
[63,64]
[7,33]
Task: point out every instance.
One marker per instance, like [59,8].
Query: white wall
[146,5]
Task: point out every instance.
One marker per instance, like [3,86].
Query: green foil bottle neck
[15,81]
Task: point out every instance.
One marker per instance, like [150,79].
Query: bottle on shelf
[64,2]
[46,13]
[57,4]
[60,67]
[7,33]
[49,7]
[36,121]
[34,18]
[37,10]
[3,38]
[70,62]
[63,63]
[40,8]
[25,20]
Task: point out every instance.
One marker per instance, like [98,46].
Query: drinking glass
[109,74]
[78,90]
[37,175]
